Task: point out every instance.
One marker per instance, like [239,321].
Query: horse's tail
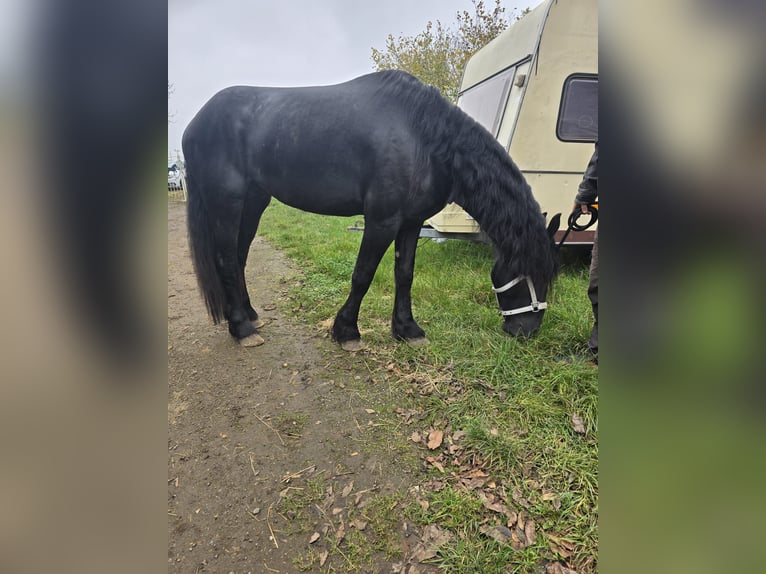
[203,253]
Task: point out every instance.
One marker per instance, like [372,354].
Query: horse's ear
[545,215]
[553,226]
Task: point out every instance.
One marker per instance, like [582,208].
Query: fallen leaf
[323,557]
[521,520]
[473,483]
[558,568]
[478,473]
[518,499]
[435,462]
[529,531]
[518,539]
[500,534]
[337,510]
[340,534]
[347,489]
[435,438]
[489,502]
[314,538]
[359,524]
[370,411]
[561,542]
[551,497]
[415,437]
[432,539]
[512,518]
[422,553]
[577,424]
[223,435]
[556,549]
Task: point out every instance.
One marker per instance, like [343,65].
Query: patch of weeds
[297,504]
[371,532]
[356,551]
[291,424]
[451,508]
[493,446]
[475,553]
[383,523]
[306,561]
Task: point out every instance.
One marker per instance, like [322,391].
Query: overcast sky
[217,43]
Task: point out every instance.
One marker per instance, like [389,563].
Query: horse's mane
[486,182]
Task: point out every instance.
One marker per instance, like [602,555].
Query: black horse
[383,145]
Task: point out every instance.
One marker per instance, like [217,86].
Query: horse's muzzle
[525,325]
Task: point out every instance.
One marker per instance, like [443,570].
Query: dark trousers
[593,296]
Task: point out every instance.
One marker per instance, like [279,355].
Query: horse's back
[354,113]
[317,148]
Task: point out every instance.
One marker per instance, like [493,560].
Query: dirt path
[247,427]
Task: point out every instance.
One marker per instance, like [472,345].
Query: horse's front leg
[403,325]
[375,241]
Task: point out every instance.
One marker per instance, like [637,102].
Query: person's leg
[593,296]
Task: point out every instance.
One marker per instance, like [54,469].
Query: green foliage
[438,54]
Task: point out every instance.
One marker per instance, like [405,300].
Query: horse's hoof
[353,345]
[254,340]
[258,323]
[418,342]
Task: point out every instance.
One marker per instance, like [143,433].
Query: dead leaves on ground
[338,509]
[431,539]
[561,547]
[509,519]
[435,438]
[427,382]
[558,568]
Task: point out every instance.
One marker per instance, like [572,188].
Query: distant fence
[176,182]
[177,192]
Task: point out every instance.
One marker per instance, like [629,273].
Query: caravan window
[485,102]
[578,113]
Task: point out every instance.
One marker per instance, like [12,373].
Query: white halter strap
[535,305]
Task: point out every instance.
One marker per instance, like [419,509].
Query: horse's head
[520,297]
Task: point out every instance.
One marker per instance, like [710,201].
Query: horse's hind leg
[403,325]
[375,241]
[255,204]
[226,237]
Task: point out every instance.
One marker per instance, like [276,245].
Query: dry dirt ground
[247,426]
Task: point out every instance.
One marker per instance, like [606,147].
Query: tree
[438,54]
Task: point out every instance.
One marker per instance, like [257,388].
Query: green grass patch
[297,504]
[512,398]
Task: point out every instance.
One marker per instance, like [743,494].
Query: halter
[535,306]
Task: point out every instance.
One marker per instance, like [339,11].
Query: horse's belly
[340,202]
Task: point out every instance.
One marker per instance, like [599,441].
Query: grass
[511,399]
